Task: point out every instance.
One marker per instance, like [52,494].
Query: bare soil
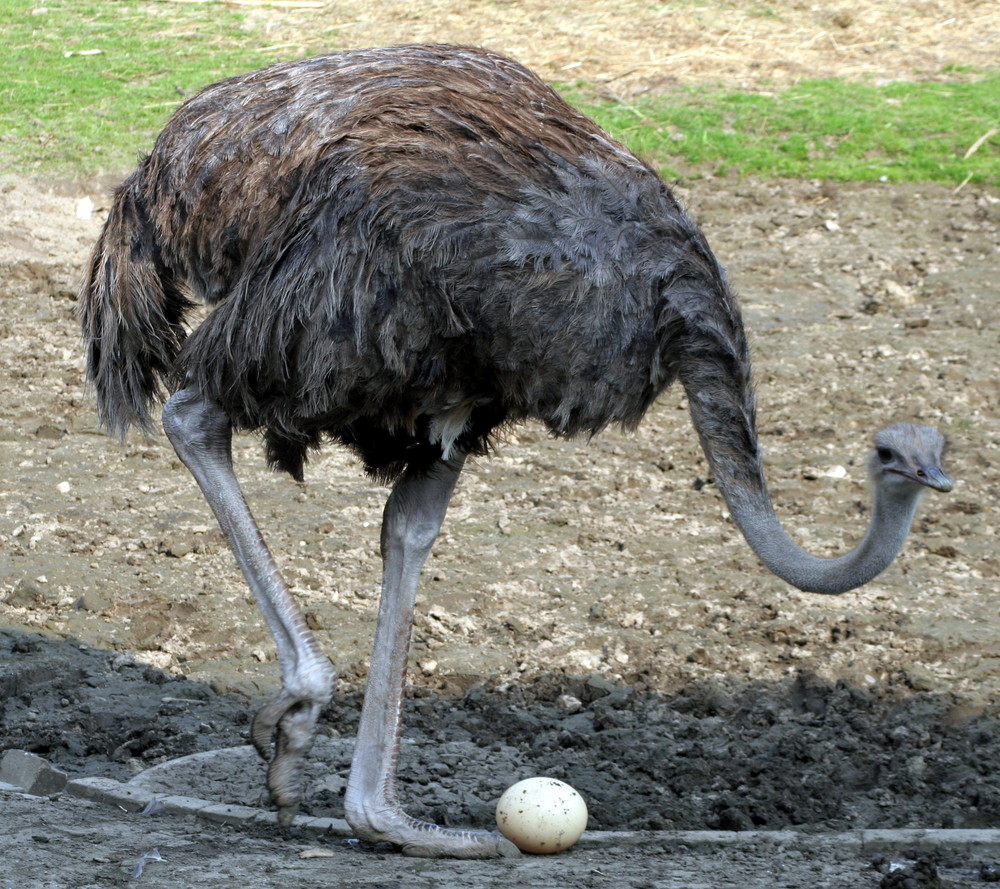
[630,47]
[590,611]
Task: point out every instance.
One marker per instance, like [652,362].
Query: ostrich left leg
[283,729]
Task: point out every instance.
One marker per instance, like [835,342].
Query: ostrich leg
[284,728]
[412,519]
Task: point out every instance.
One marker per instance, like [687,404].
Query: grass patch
[85,86]
[67,110]
[831,129]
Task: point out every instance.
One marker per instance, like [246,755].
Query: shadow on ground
[805,753]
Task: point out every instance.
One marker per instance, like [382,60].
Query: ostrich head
[907,460]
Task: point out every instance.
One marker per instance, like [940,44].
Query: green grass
[66,112]
[825,129]
[831,129]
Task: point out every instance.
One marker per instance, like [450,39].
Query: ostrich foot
[421,839]
[282,733]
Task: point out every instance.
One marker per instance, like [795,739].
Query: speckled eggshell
[541,815]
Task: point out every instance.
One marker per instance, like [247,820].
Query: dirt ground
[590,611]
[625,48]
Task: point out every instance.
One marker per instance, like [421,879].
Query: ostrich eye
[885,455]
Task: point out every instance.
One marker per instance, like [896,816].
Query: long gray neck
[704,342]
[727,428]
[890,523]
[714,369]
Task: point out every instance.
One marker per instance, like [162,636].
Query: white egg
[541,815]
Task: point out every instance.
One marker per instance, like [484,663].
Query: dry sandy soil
[628,47]
[710,694]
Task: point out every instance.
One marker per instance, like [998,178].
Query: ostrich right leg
[412,519]
[283,730]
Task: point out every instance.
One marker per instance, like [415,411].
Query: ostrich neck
[712,361]
[890,522]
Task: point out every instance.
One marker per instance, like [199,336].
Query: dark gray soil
[805,753]
[809,754]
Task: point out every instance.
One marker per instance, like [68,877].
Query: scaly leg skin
[413,516]
[283,730]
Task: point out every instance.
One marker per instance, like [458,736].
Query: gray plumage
[406,249]
[391,238]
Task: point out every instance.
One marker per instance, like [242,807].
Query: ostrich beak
[935,477]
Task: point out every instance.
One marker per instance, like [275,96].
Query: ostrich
[406,250]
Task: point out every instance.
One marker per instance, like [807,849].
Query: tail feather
[131,312]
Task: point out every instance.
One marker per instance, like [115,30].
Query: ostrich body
[407,249]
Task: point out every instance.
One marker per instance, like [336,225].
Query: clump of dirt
[92,712]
